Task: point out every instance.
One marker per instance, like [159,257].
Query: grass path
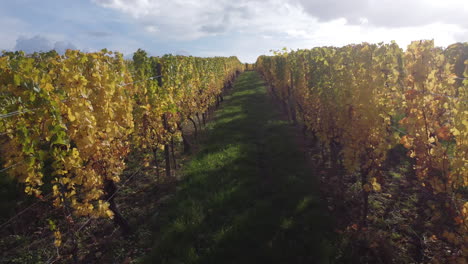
[249,195]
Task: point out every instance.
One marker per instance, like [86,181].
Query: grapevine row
[362,101]
[77,116]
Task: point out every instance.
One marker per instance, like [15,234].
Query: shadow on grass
[249,196]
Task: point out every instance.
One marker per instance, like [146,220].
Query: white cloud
[271,24]
[390,13]
[334,33]
[248,28]
[192,19]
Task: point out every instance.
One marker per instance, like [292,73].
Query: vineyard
[69,122]
[354,154]
[368,106]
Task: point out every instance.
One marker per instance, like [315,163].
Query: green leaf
[17,79]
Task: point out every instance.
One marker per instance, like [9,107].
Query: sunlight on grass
[241,191]
[215,159]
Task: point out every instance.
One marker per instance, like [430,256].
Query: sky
[206,28]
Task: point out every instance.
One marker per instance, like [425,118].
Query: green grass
[249,195]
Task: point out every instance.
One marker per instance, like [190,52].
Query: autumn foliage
[363,101]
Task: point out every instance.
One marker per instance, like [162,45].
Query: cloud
[461,36]
[390,13]
[249,27]
[334,9]
[194,19]
[246,28]
[40,43]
